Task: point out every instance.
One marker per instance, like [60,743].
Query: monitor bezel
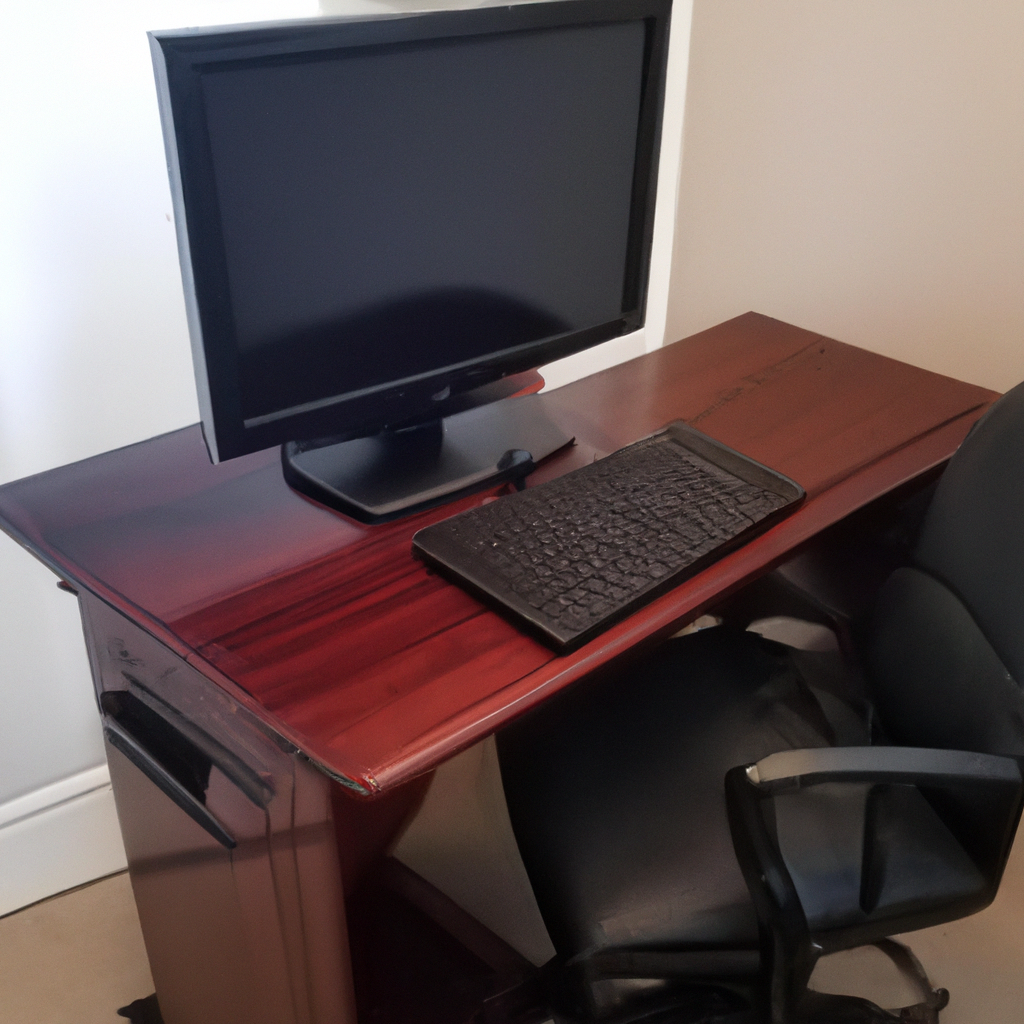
[180,58]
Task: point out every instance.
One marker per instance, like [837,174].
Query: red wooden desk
[293,635]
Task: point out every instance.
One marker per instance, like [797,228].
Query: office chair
[616,788]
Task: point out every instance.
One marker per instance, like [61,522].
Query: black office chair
[616,788]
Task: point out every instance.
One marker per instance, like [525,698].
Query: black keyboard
[571,556]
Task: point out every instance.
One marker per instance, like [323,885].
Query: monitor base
[397,473]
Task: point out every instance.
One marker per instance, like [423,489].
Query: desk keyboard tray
[571,556]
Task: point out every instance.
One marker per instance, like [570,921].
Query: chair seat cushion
[616,795]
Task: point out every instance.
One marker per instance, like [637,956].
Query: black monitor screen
[377,212]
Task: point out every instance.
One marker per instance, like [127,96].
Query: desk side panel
[253,934]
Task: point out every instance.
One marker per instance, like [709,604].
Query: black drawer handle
[120,738]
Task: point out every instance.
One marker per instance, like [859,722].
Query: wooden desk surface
[377,669]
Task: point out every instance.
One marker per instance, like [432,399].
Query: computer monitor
[378,218]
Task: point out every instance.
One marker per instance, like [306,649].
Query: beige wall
[857,167]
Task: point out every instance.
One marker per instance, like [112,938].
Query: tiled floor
[74,959]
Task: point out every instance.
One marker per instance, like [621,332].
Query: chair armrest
[992,784]
[793,769]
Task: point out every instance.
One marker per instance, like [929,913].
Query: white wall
[857,167]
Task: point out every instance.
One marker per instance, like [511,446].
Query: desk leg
[230,840]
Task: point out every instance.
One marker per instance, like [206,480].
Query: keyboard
[569,557]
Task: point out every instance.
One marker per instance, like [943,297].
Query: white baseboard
[57,837]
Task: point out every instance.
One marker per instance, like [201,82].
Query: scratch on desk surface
[759,377]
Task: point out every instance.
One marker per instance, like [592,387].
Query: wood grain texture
[378,669]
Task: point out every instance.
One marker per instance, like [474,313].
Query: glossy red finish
[346,645]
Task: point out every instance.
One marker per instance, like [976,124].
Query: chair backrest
[947,647]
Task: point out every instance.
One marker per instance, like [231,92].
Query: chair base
[824,1008]
[579,996]
[698,1006]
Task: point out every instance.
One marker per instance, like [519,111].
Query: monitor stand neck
[397,473]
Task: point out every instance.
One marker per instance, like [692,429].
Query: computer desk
[293,673]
